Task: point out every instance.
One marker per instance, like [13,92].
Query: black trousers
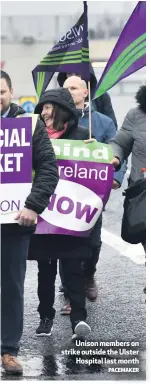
[74,284]
[89,265]
[14,253]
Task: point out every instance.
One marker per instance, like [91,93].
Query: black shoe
[45,327]
[81,330]
[144,290]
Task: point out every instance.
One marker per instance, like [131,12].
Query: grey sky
[64,7]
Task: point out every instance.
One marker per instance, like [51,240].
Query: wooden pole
[90,122]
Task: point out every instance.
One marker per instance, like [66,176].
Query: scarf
[56,134]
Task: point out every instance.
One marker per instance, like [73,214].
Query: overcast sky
[64,7]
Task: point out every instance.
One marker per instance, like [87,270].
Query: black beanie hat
[60,97]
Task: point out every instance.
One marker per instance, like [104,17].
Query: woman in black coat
[59,113]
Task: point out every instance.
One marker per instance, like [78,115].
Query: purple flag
[70,54]
[129,54]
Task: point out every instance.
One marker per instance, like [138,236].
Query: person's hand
[115,184]
[26,217]
[92,140]
[115,162]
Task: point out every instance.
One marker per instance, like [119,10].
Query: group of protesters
[61,113]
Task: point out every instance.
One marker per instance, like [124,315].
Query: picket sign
[84,185]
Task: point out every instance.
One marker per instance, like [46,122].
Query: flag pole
[90,122]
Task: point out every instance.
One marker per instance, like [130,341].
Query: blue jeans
[14,253]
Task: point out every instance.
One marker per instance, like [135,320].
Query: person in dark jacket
[103,129]
[103,103]
[58,110]
[104,125]
[131,139]
[15,237]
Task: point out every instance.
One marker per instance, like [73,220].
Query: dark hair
[60,117]
[141,98]
[5,76]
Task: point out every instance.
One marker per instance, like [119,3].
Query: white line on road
[132,251]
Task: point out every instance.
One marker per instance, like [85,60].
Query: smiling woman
[48,114]
[56,245]
[55,119]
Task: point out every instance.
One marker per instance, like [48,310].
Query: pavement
[118,314]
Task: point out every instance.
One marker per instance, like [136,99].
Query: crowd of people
[62,113]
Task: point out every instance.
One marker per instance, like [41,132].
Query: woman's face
[47,113]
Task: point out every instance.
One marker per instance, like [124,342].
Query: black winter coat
[103,105]
[44,247]
[46,173]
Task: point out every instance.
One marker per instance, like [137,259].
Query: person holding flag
[58,111]
[103,129]
[71,55]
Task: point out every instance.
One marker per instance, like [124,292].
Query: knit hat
[60,97]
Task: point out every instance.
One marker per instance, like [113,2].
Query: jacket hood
[61,97]
[93,81]
[15,110]
[141,98]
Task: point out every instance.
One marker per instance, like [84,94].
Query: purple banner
[83,189]
[16,150]
[15,166]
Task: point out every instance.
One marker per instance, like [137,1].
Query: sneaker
[11,365]
[66,309]
[91,289]
[77,338]
[81,330]
[45,327]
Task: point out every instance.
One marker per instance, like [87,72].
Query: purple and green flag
[129,54]
[70,54]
